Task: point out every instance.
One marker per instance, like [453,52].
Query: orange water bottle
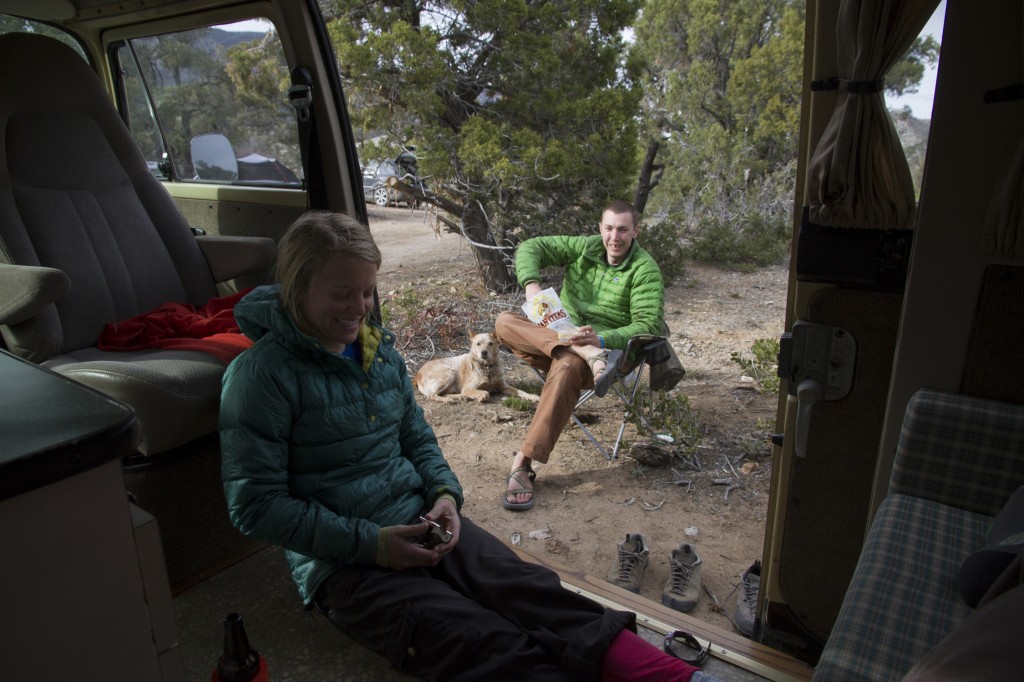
[240,662]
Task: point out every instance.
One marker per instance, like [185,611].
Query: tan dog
[470,376]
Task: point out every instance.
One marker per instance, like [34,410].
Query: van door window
[211,105]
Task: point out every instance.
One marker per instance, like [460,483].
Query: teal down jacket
[318,452]
[618,301]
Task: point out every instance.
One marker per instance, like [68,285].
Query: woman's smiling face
[339,298]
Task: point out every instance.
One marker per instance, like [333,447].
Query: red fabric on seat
[211,329]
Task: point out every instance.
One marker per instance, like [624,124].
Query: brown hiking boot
[685,572]
[630,562]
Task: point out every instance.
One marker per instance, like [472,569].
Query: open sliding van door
[853,235]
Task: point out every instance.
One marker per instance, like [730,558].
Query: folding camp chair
[642,351]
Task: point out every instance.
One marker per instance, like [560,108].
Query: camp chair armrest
[230,257]
[636,348]
[29,289]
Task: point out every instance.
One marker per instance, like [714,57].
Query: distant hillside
[913,134]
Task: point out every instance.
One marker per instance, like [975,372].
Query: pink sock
[630,657]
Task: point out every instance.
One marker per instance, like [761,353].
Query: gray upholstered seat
[88,236]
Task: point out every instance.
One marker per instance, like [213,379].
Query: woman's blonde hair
[307,245]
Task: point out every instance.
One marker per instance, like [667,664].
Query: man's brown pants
[568,375]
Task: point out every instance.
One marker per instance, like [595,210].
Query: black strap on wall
[300,95]
[1008,94]
[852,87]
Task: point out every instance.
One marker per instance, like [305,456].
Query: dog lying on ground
[471,376]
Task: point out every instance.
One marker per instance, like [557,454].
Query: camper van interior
[901,409]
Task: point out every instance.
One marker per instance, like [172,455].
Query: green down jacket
[618,301]
[318,452]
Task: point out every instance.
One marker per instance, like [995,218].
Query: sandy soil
[585,504]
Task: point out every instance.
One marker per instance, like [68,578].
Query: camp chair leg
[597,443]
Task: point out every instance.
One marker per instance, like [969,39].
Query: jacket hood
[262,312]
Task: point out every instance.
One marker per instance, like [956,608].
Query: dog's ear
[469,332]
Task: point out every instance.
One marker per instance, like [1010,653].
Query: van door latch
[817,362]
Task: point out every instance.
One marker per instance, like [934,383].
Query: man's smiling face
[617,235]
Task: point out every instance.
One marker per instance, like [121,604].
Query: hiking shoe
[746,605]
[629,565]
[685,572]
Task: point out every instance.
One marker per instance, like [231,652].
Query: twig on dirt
[629,502]
[725,498]
[680,480]
[717,604]
[731,467]
[721,481]
[652,507]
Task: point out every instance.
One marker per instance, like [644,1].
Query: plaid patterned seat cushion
[903,597]
[961,451]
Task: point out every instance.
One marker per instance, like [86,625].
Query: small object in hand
[437,535]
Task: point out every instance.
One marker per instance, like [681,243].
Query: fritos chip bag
[546,310]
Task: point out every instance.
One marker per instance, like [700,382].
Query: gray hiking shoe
[685,573]
[746,605]
[629,564]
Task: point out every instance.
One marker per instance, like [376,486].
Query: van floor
[301,645]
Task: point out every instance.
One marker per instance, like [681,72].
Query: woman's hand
[404,544]
[405,550]
[532,289]
[445,514]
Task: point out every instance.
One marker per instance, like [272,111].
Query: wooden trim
[728,646]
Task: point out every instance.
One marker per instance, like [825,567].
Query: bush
[750,242]
[668,414]
[662,241]
[764,367]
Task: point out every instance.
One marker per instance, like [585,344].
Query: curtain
[1004,219]
[858,175]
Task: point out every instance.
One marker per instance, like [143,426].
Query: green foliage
[670,414]
[663,241]
[905,76]
[744,245]
[514,402]
[724,98]
[523,114]
[763,368]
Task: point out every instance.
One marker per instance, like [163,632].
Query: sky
[920,103]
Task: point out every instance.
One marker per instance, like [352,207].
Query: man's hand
[532,289]
[585,336]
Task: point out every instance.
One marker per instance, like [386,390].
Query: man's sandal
[611,370]
[525,488]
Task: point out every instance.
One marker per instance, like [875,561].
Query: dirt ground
[586,504]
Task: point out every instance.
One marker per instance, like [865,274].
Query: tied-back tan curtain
[1004,219]
[858,176]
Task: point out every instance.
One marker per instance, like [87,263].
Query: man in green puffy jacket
[612,290]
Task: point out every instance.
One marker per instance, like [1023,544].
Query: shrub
[669,414]
[750,242]
[764,366]
[662,241]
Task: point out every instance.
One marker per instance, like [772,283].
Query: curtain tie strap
[852,87]
[1007,94]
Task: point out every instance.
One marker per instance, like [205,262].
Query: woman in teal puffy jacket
[326,454]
